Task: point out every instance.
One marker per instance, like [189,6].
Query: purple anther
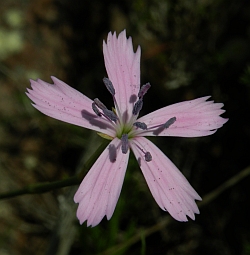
[99,104]
[96,110]
[169,122]
[111,115]
[109,86]
[137,107]
[140,125]
[144,89]
[124,140]
[148,156]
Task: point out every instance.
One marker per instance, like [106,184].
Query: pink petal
[64,103]
[194,118]
[123,68]
[169,187]
[100,189]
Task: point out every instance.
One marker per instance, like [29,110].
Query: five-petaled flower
[99,191]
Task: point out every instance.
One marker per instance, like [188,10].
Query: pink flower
[99,191]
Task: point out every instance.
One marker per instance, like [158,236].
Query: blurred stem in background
[48,186]
[142,234]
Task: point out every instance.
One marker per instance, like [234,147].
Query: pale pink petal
[123,68]
[169,187]
[194,118]
[100,189]
[62,102]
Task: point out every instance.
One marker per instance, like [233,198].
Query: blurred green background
[190,48]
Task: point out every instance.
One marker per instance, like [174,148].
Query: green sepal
[105,136]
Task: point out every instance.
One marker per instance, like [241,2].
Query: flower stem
[48,186]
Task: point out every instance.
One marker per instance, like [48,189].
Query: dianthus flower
[99,191]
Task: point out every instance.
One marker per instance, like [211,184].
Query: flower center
[126,131]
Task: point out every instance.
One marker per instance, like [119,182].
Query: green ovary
[125,129]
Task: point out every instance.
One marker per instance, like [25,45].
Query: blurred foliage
[190,48]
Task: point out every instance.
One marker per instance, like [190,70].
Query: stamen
[170,122]
[161,127]
[140,125]
[111,115]
[99,104]
[137,107]
[109,86]
[124,140]
[96,110]
[148,156]
[144,90]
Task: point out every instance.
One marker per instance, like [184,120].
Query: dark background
[190,48]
